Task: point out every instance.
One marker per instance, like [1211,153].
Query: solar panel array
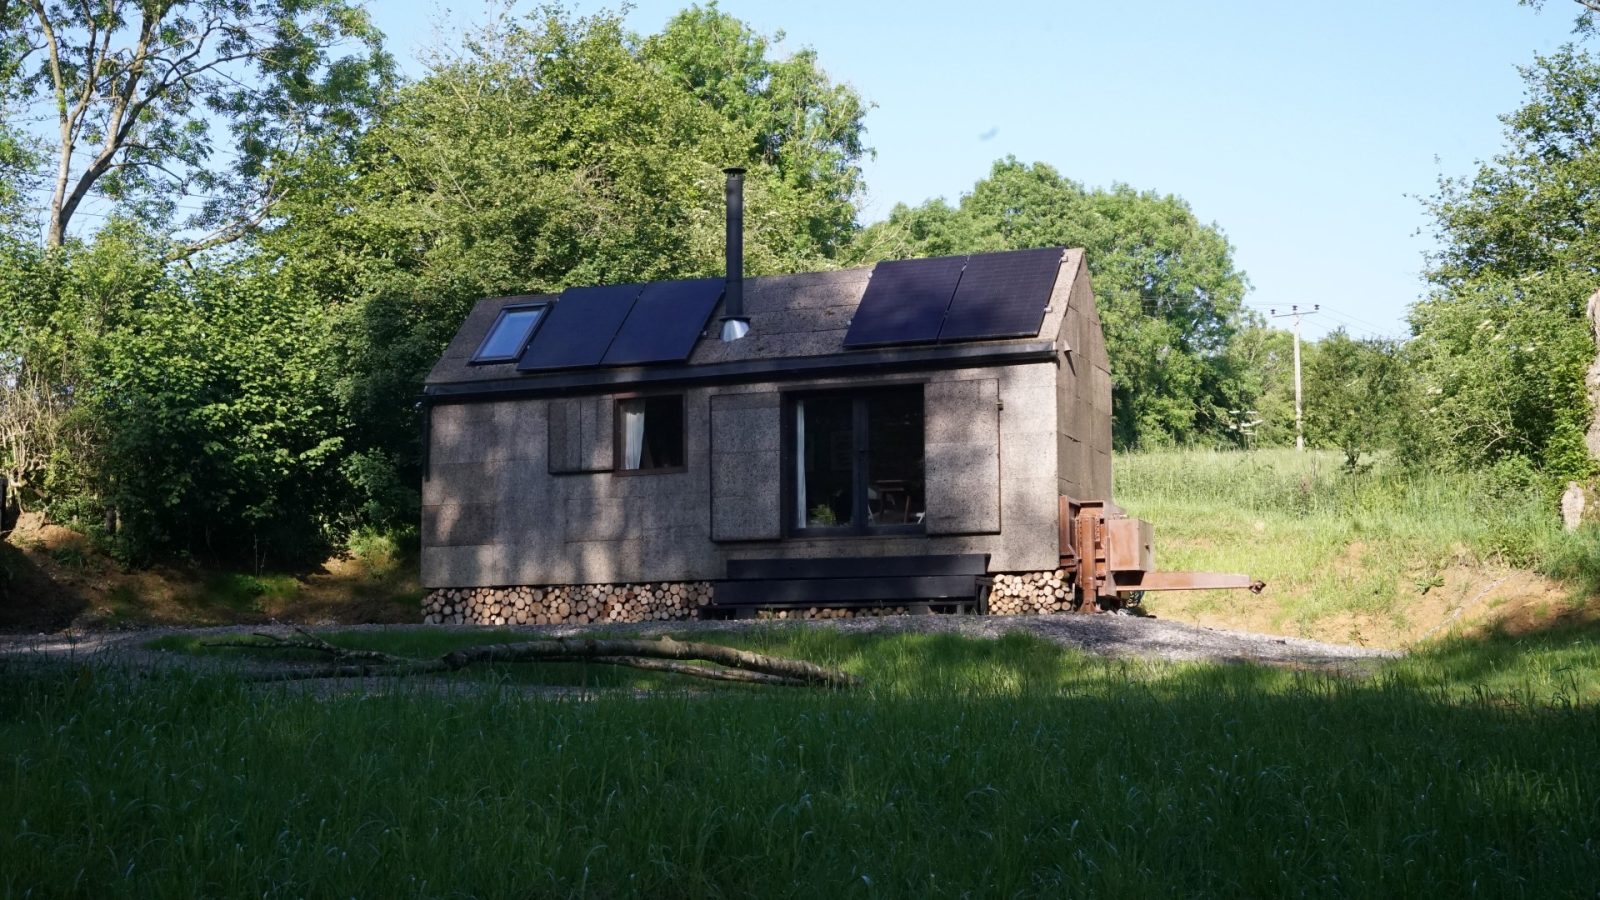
[905,302]
[987,296]
[665,322]
[622,325]
[580,327]
[1002,295]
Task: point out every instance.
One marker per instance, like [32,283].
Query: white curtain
[803,515]
[632,434]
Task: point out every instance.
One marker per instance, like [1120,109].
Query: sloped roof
[802,317]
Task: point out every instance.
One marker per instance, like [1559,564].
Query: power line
[1357,320]
[1353,323]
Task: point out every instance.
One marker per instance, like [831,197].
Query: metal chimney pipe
[734,323]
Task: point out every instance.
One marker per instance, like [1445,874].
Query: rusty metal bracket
[1109,560]
[1127,582]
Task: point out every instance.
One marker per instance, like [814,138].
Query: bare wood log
[715,673]
[665,648]
[789,671]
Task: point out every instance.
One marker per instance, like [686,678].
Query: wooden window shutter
[580,435]
[746,482]
[962,456]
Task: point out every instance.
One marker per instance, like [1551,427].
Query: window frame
[618,444]
[478,359]
[789,457]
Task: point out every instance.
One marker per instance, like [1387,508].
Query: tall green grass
[1007,768]
[1331,541]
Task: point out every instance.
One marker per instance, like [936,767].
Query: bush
[383,550]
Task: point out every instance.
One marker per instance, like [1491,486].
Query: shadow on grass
[1560,660]
[1131,780]
[30,600]
[906,665]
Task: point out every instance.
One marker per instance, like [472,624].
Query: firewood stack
[582,604]
[831,613]
[1030,593]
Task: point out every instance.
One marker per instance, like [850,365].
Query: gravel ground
[1106,635]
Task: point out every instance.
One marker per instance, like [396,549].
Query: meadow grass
[909,664]
[994,768]
[1329,541]
[1559,665]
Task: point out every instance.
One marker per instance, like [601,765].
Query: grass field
[1386,550]
[965,768]
[1006,768]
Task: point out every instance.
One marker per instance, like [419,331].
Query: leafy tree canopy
[1358,390]
[552,151]
[1171,299]
[803,128]
[153,102]
[1502,344]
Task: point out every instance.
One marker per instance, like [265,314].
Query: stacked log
[579,604]
[822,612]
[1031,593]
[1014,594]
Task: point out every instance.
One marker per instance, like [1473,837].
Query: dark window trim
[478,359]
[617,443]
[788,454]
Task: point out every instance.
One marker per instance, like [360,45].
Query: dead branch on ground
[664,655]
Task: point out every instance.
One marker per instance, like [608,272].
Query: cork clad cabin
[887,438]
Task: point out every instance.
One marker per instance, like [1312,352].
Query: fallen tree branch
[717,673]
[664,655]
[665,648]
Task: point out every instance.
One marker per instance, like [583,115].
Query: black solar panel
[665,323]
[1002,295]
[579,327]
[905,302]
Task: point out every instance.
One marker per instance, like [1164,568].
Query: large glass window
[857,463]
[509,334]
[650,434]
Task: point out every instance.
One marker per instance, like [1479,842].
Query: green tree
[1260,411]
[1501,343]
[551,151]
[1500,368]
[202,418]
[1585,21]
[1355,392]
[1171,299]
[222,434]
[803,127]
[147,95]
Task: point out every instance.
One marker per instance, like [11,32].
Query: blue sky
[1305,131]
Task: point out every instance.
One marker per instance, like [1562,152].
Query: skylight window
[509,334]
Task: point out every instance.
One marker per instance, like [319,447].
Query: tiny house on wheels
[921,434]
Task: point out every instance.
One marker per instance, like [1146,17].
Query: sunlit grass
[1328,541]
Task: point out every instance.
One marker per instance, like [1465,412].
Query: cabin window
[857,463]
[509,334]
[649,434]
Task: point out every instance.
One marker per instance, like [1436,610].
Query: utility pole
[1299,424]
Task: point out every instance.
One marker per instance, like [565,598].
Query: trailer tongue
[1109,559]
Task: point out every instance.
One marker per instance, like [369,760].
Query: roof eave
[895,359]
